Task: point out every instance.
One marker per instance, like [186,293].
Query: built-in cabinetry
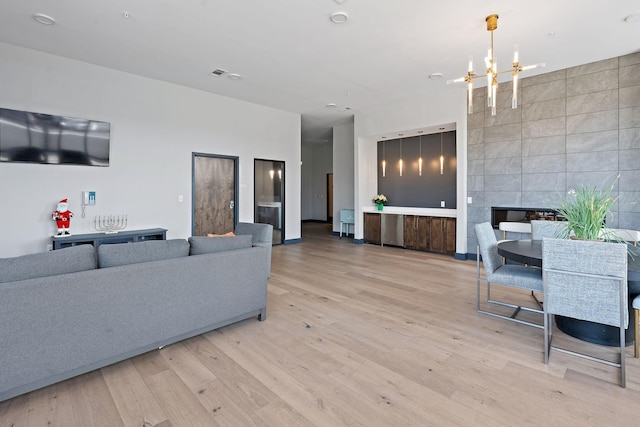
[421,232]
[372,228]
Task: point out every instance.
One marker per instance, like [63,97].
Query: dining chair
[514,227]
[636,318]
[544,228]
[509,275]
[585,280]
[623,235]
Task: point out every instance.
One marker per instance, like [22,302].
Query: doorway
[215,191]
[330,197]
[268,180]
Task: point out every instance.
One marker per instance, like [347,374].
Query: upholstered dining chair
[510,275]
[585,280]
[622,235]
[543,228]
[514,227]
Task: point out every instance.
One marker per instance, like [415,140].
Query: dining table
[529,252]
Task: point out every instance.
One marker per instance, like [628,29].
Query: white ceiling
[292,57]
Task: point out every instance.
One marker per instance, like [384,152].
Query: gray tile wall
[578,126]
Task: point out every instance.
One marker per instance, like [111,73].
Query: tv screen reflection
[49,139]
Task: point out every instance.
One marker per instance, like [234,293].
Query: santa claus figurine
[62,215]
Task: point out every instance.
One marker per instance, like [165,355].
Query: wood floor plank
[15,412]
[245,388]
[51,406]
[178,402]
[133,398]
[92,402]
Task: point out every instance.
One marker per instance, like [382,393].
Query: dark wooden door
[214,194]
[417,232]
[423,231]
[450,246]
[437,240]
[410,234]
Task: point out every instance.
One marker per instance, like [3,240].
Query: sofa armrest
[261,235]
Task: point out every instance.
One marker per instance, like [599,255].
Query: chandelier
[492,73]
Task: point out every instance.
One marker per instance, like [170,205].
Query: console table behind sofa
[97,239]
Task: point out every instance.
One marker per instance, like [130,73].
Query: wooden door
[423,231]
[450,246]
[437,238]
[410,235]
[214,194]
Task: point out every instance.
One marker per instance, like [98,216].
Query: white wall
[316,164]
[438,104]
[155,127]
[343,179]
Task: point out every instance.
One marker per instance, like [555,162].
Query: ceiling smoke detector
[218,72]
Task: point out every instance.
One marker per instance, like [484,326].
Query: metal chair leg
[636,334]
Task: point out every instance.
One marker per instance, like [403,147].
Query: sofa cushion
[205,245]
[61,261]
[112,255]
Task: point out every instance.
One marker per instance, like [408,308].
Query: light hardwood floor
[356,335]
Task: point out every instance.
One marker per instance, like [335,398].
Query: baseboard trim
[292,241]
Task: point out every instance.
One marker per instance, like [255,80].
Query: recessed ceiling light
[44,19]
[339,17]
[435,76]
[234,76]
[634,17]
[126,14]
[331,105]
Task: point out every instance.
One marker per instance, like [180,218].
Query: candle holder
[111,223]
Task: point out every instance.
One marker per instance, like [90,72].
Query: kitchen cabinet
[421,232]
[372,228]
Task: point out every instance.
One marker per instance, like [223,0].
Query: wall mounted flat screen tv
[44,138]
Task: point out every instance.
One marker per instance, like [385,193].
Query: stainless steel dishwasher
[392,229]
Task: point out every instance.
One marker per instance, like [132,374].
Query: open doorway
[330,197]
[269,196]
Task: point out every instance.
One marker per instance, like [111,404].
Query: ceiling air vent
[218,72]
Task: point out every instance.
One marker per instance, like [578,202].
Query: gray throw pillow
[61,261]
[205,245]
[113,255]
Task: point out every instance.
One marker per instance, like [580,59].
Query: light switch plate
[442,203]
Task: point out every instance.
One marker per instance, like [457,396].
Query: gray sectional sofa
[68,312]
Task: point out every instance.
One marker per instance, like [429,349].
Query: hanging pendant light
[420,158]
[400,162]
[441,154]
[384,161]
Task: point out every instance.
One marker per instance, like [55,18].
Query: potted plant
[380,200]
[585,210]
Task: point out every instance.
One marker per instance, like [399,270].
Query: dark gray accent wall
[578,126]
[411,189]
